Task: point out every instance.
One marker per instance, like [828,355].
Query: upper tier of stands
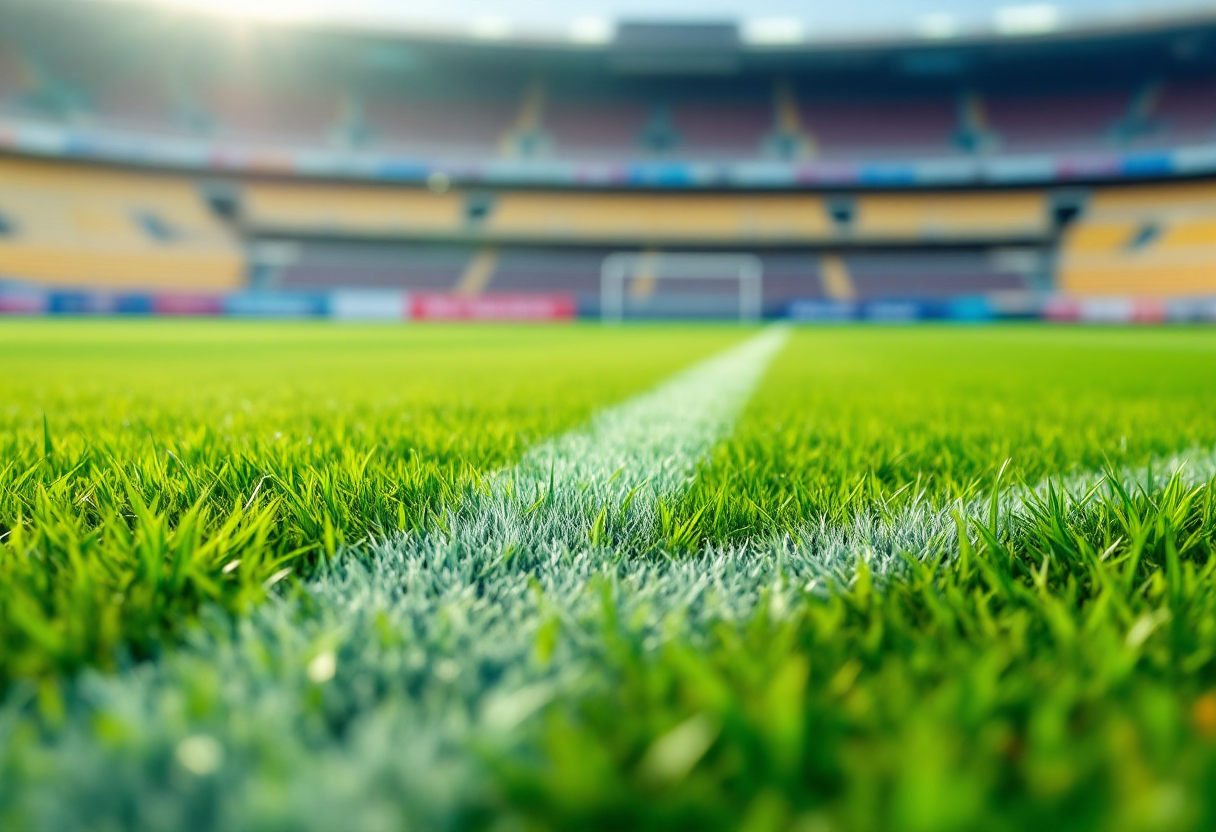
[874,127]
[1055,121]
[549,117]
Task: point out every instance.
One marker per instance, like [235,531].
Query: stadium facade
[182,164]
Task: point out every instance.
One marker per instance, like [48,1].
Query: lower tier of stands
[787,275]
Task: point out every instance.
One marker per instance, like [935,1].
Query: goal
[619,269]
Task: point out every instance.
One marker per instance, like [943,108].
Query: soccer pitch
[295,576]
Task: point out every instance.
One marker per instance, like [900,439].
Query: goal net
[658,284]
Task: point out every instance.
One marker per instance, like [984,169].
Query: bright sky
[762,21]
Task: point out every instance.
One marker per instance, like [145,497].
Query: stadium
[541,416]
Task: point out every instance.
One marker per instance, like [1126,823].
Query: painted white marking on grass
[885,539]
[626,458]
[355,700]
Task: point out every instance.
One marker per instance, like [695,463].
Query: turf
[854,418]
[148,467]
[859,616]
[1050,665]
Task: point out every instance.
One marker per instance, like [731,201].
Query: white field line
[420,645]
[625,459]
[413,647]
[822,555]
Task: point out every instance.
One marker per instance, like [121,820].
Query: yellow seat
[350,209]
[88,227]
[916,217]
[1177,257]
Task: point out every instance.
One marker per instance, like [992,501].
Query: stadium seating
[1186,111]
[1055,121]
[111,228]
[107,228]
[14,73]
[859,128]
[722,128]
[359,264]
[589,129]
[789,276]
[530,269]
[354,210]
[139,102]
[321,101]
[271,115]
[1157,240]
[640,218]
[957,217]
[645,218]
[569,123]
[449,127]
[923,274]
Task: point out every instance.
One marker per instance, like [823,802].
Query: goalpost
[619,268]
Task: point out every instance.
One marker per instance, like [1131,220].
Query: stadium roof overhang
[1175,38]
[757,26]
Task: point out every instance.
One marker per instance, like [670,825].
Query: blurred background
[663,159]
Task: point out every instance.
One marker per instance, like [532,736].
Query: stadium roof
[759,24]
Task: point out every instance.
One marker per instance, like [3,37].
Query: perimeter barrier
[18,299]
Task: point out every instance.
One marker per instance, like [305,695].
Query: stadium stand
[14,73]
[74,226]
[141,102]
[450,127]
[589,129]
[657,218]
[879,127]
[902,172]
[534,269]
[1143,241]
[953,217]
[919,274]
[1186,111]
[315,264]
[269,115]
[624,128]
[350,210]
[717,127]
[1065,121]
[640,219]
[789,276]
[471,109]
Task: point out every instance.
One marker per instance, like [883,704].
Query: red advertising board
[1149,311]
[186,304]
[442,306]
[1061,309]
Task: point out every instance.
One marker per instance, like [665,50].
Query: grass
[146,468]
[1048,659]
[1057,673]
[854,418]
